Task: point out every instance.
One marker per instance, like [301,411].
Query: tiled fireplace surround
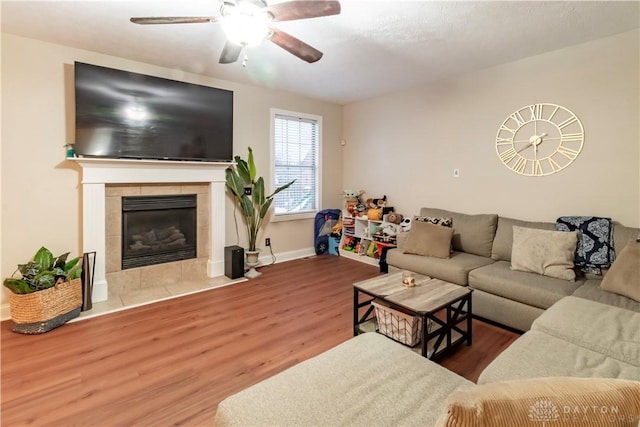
[122,282]
[106,181]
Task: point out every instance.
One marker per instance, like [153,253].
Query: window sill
[293,216]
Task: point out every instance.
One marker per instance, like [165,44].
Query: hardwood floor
[171,362]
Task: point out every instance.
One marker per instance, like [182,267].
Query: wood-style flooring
[171,362]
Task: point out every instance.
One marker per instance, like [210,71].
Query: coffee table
[428,298]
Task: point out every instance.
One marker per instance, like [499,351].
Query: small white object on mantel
[97,172]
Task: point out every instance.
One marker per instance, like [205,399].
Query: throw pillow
[445,221]
[549,401]
[429,240]
[545,252]
[437,220]
[623,277]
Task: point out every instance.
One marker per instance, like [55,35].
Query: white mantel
[97,172]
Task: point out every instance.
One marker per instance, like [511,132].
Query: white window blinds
[296,147]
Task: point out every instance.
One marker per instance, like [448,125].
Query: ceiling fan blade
[295,46]
[303,9]
[230,53]
[174,20]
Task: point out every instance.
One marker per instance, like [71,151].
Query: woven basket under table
[42,311]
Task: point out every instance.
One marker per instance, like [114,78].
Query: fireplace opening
[158,229]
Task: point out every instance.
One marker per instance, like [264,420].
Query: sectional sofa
[561,364]
[481,258]
[578,363]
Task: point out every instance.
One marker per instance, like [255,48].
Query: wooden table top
[387,284]
[428,296]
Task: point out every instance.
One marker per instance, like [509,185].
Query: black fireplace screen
[158,229]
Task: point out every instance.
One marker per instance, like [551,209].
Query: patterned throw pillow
[595,241]
[437,220]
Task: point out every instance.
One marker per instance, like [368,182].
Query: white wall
[407,144]
[41,194]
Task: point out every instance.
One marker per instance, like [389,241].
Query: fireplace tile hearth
[138,297]
[160,275]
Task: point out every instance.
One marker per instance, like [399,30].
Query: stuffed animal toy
[369,204]
[394,218]
[352,195]
[380,203]
[360,208]
[351,208]
[387,234]
[405,225]
[374,214]
[353,202]
[390,230]
[372,251]
[336,231]
[349,244]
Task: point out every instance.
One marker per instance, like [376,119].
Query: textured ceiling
[371,48]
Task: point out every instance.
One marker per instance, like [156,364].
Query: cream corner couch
[371,380]
[575,329]
[481,259]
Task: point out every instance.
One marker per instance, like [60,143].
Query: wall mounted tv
[120,114]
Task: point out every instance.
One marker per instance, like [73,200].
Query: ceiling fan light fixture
[246,26]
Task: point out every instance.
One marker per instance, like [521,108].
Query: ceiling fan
[247,23]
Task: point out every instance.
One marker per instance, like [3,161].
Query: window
[295,145]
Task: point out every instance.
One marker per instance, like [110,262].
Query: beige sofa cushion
[609,330]
[550,253]
[591,290]
[503,242]
[623,235]
[540,400]
[623,278]
[553,357]
[428,239]
[527,288]
[358,383]
[455,269]
[471,233]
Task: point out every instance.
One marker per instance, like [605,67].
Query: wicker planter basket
[42,311]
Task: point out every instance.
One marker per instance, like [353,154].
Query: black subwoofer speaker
[233,262]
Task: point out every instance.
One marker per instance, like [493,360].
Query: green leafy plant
[43,272]
[254,207]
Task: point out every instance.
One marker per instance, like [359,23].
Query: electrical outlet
[267,241]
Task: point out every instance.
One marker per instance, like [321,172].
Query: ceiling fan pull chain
[245,57]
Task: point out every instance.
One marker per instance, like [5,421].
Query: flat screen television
[120,114]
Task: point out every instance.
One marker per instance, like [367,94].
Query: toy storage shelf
[357,257]
[362,231]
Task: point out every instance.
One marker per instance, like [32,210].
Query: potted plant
[249,193]
[47,294]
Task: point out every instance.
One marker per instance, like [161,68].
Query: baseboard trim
[266,259]
[5,310]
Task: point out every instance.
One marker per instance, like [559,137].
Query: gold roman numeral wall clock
[539,139]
